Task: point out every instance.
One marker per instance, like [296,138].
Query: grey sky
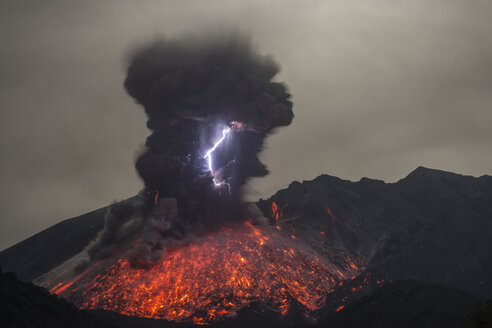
[379,88]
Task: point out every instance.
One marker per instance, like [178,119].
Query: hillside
[25,305]
[404,304]
[432,226]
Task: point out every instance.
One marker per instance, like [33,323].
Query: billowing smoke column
[210,103]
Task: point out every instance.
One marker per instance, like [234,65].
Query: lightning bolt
[208,156]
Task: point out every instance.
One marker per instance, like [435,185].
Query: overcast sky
[379,88]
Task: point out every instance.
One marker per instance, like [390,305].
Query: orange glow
[339,308]
[60,289]
[335,219]
[276,212]
[211,278]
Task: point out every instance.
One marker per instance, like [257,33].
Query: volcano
[188,249]
[326,243]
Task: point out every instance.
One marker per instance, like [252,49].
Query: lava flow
[211,278]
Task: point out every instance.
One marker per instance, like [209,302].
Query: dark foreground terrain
[397,304]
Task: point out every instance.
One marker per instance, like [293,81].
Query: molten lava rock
[211,278]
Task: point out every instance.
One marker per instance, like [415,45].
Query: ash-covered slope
[432,226]
[49,248]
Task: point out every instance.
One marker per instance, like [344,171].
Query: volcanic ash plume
[210,103]
[195,91]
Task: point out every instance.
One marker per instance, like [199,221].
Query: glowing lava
[277,212]
[211,278]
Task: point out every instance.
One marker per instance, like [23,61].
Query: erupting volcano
[189,249]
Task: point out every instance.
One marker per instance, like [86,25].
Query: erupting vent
[211,278]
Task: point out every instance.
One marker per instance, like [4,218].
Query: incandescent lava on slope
[211,278]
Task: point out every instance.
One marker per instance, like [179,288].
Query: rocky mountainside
[405,304]
[431,226]
[49,248]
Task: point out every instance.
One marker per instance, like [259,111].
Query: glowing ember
[211,278]
[339,308]
[277,212]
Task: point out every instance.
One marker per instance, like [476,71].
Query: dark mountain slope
[25,305]
[49,248]
[432,226]
[405,304]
